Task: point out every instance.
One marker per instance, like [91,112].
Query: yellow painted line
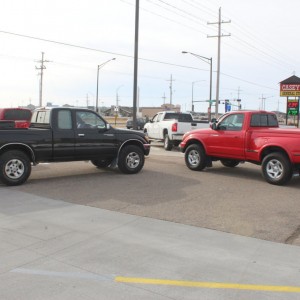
[210,285]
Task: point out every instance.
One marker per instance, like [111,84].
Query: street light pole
[193,93]
[98,68]
[209,61]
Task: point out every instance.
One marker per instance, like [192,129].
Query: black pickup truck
[69,134]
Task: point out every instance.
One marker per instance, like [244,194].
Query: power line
[123,55]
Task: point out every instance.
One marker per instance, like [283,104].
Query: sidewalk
[56,250]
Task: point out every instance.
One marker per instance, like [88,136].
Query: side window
[86,119]
[41,117]
[64,119]
[272,120]
[263,120]
[233,122]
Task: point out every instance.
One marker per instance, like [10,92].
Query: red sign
[289,89]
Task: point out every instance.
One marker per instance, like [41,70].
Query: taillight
[174,127]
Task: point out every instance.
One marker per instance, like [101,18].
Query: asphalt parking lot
[236,200]
[76,232]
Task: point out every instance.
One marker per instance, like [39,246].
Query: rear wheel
[230,163]
[131,159]
[195,157]
[168,145]
[15,167]
[276,168]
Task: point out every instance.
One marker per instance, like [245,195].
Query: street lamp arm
[209,61]
[98,68]
[102,65]
[199,56]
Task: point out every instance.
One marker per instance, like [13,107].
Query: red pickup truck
[251,136]
[15,118]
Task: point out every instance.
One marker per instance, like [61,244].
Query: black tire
[131,159]
[195,157]
[15,167]
[230,163]
[276,168]
[168,145]
[101,163]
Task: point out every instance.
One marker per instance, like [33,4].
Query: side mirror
[214,126]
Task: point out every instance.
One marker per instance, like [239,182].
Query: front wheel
[15,167]
[276,168]
[195,157]
[131,159]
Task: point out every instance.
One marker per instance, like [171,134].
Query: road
[236,200]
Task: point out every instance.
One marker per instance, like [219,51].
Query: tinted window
[264,120]
[17,114]
[171,116]
[185,118]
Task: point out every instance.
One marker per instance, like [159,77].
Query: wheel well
[272,149]
[19,147]
[191,142]
[132,142]
[165,131]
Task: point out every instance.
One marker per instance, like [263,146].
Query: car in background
[15,117]
[140,122]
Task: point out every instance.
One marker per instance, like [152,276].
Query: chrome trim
[126,143]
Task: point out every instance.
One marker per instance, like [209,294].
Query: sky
[259,48]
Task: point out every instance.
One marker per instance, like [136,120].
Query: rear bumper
[177,136]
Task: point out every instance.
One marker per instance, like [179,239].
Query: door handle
[80,134]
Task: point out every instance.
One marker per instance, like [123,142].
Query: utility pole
[42,67]
[171,89]
[136,51]
[220,22]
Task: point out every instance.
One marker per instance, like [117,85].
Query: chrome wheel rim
[133,160]
[194,158]
[14,169]
[274,169]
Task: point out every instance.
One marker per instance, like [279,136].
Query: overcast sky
[76,36]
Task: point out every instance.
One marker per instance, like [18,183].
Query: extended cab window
[86,119]
[64,119]
[263,120]
[233,122]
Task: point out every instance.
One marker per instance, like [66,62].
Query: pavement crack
[296,234]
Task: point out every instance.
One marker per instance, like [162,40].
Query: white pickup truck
[170,126]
